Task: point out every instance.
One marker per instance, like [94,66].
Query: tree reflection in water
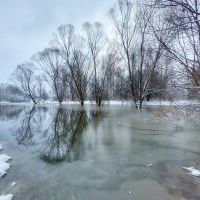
[53,134]
[9,112]
[25,128]
[66,128]
[29,125]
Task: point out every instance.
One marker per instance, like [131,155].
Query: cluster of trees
[182,21]
[155,46]
[10,92]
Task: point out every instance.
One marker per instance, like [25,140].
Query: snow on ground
[150,164]
[112,102]
[13,183]
[120,103]
[4,165]
[169,103]
[192,171]
[6,197]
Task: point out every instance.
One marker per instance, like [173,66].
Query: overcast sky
[27,25]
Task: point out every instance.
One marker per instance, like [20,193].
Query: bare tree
[183,19]
[25,79]
[123,18]
[41,88]
[79,74]
[75,59]
[105,82]
[121,88]
[145,57]
[140,49]
[94,35]
[56,76]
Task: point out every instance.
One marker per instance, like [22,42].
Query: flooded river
[112,153]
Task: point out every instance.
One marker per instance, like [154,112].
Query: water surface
[112,153]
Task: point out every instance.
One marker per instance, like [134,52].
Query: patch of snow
[192,171]
[4,158]
[130,192]
[178,125]
[13,183]
[168,103]
[4,166]
[6,197]
[150,164]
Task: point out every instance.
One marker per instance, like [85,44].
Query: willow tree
[123,19]
[94,35]
[183,19]
[56,76]
[138,46]
[75,60]
[25,79]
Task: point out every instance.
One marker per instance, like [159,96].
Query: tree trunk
[33,99]
[82,102]
[99,103]
[141,101]
[34,102]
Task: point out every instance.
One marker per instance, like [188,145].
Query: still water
[112,153]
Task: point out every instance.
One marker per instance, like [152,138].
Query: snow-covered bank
[6,197]
[129,103]
[169,103]
[112,102]
[192,171]
[4,166]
